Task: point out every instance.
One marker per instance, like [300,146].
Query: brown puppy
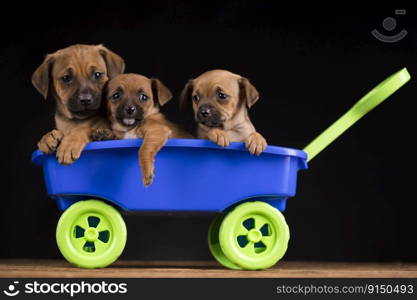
[133,103]
[75,77]
[220,100]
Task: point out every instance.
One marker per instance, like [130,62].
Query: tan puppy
[220,100]
[75,77]
[133,103]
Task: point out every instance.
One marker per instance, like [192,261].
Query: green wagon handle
[377,95]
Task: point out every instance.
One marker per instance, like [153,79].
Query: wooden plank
[204,269]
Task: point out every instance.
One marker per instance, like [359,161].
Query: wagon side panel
[186,179]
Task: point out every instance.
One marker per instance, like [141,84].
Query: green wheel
[214,245]
[91,234]
[254,235]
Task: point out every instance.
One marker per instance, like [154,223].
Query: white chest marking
[129,135]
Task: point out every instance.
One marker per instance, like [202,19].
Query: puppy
[133,103]
[220,100]
[75,77]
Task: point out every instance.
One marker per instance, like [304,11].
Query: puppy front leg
[50,141]
[255,143]
[153,140]
[73,144]
[219,136]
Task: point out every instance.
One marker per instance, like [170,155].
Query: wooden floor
[167,269]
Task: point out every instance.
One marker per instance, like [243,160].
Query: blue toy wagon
[249,230]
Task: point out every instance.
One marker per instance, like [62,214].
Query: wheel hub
[91,234]
[254,235]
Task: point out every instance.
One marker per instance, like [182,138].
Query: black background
[357,202]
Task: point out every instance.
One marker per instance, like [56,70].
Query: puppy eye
[97,75]
[116,96]
[66,79]
[221,95]
[143,97]
[196,98]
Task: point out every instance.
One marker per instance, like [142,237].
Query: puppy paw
[256,143]
[69,150]
[147,175]
[147,180]
[219,137]
[50,141]
[102,134]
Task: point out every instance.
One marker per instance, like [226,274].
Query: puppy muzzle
[84,104]
[129,115]
[209,116]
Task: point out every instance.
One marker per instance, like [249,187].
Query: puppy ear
[160,92]
[185,96]
[248,92]
[114,63]
[42,76]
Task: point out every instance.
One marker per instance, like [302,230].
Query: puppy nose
[85,99]
[205,111]
[130,110]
